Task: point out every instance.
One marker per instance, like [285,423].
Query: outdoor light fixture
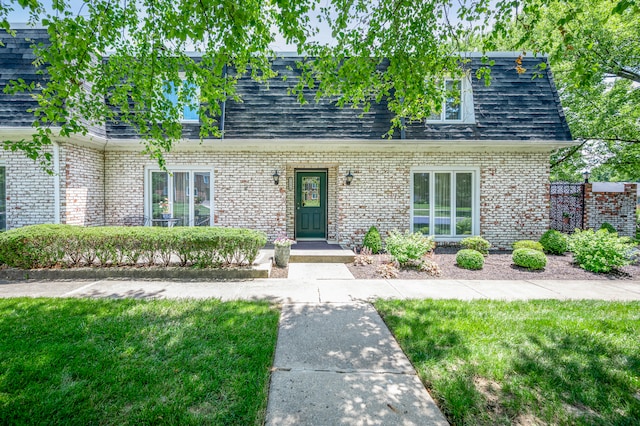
[276,177]
[585,176]
[348,178]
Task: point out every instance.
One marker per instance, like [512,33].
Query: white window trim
[475,182]
[148,199]
[467,113]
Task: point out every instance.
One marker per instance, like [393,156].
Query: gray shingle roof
[513,107]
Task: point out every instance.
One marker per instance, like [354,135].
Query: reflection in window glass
[421,203]
[452,110]
[463,204]
[181,198]
[3,199]
[442,202]
[201,201]
[160,195]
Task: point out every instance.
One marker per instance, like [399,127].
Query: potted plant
[566,217]
[282,246]
[165,208]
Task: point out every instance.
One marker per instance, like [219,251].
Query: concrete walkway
[338,364]
[307,289]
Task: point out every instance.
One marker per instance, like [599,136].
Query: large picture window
[444,203]
[179,198]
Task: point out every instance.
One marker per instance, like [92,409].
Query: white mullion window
[456,102]
[188,193]
[3,197]
[445,202]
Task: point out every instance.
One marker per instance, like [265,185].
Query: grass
[119,362]
[538,362]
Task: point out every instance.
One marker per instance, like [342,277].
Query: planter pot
[166,215]
[282,255]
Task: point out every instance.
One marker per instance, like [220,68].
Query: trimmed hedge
[529,258]
[46,246]
[530,244]
[554,242]
[476,243]
[470,259]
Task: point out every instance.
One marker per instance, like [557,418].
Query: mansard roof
[513,107]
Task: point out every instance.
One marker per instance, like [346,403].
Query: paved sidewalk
[338,364]
[310,290]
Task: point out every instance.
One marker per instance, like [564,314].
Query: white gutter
[56,183]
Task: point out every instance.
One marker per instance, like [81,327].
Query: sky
[20,16]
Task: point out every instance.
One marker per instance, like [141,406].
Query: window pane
[181,197]
[421,202]
[442,201]
[453,100]
[159,194]
[202,199]
[463,204]
[3,199]
[190,111]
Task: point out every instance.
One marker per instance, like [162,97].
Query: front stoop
[320,252]
[322,256]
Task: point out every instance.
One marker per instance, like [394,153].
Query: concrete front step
[321,256]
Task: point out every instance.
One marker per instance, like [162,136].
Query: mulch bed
[497,266]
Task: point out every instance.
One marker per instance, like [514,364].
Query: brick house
[479,168]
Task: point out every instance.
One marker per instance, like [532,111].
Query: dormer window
[189,112]
[457,103]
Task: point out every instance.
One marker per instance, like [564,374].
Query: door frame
[324,194]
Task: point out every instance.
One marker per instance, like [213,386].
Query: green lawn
[539,362]
[114,362]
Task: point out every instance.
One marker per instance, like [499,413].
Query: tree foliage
[391,50]
[594,49]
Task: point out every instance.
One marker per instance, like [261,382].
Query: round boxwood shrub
[530,244]
[529,258]
[476,243]
[470,259]
[554,242]
[372,240]
[609,228]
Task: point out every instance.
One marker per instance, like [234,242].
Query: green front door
[311,205]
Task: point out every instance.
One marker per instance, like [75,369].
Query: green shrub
[476,243]
[534,245]
[470,259]
[529,258]
[600,251]
[408,246]
[554,242]
[45,246]
[608,227]
[372,240]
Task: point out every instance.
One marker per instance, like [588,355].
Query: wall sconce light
[348,178]
[585,176]
[276,177]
